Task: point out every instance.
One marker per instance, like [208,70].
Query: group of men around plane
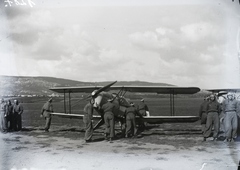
[10,116]
[220,116]
[108,115]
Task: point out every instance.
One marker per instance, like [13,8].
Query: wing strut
[69,96]
[64,95]
[99,123]
[172,104]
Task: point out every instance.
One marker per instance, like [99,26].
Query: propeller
[96,92]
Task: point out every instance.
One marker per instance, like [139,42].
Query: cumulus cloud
[46,48]
[151,40]
[199,31]
[186,52]
[144,43]
[188,43]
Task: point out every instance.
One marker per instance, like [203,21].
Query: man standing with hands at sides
[213,111]
[3,116]
[46,110]
[109,119]
[203,112]
[10,114]
[17,114]
[230,108]
[87,120]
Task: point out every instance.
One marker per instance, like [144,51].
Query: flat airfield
[166,146]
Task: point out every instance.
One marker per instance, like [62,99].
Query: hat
[50,99]
[131,103]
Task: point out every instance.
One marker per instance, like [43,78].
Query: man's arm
[20,109]
[146,108]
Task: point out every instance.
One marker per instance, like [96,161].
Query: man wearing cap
[17,115]
[203,112]
[213,111]
[47,109]
[109,119]
[230,107]
[131,129]
[87,120]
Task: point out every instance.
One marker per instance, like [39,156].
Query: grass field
[161,107]
[164,146]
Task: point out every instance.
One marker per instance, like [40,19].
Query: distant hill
[18,85]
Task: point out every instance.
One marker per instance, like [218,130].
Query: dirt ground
[163,147]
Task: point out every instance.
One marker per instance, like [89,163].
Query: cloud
[151,40]
[187,43]
[185,53]
[15,12]
[144,43]
[199,31]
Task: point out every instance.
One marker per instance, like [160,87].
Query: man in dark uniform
[46,110]
[109,119]
[131,129]
[10,115]
[87,120]
[17,114]
[203,112]
[213,111]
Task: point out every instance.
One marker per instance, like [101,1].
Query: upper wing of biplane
[141,89]
[172,90]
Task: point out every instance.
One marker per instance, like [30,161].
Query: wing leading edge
[150,119]
[141,89]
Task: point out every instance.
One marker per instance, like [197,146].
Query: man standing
[203,112]
[46,110]
[213,110]
[17,114]
[230,120]
[87,120]
[10,115]
[109,119]
[131,129]
[3,116]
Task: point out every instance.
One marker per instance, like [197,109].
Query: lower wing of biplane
[95,90]
[147,119]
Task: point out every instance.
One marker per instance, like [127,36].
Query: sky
[187,43]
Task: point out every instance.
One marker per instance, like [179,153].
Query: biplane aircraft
[101,94]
